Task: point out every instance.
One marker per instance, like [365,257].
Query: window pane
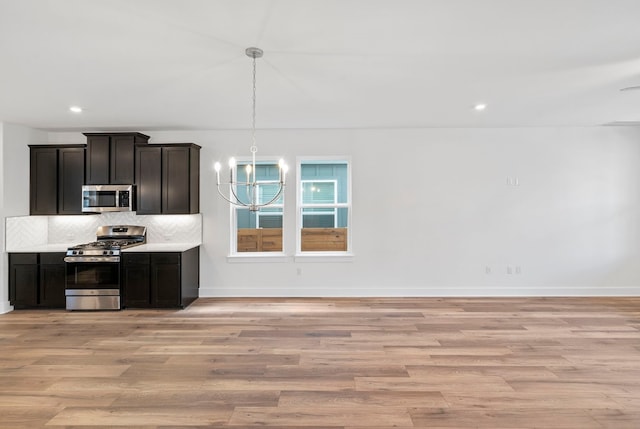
[342,218]
[323,239]
[270,221]
[260,240]
[324,229]
[261,219]
[319,217]
[336,172]
[259,231]
[266,192]
[319,192]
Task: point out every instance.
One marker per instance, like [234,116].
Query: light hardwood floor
[327,363]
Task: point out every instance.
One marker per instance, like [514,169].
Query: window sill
[324,257]
[258,257]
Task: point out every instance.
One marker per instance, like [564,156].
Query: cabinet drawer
[165,258]
[135,258]
[52,258]
[23,258]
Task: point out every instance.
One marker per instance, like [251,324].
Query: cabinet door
[70,180]
[98,152]
[23,279]
[165,280]
[136,271]
[175,180]
[43,181]
[149,180]
[135,286]
[122,160]
[52,277]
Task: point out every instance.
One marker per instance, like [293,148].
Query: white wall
[14,185]
[435,209]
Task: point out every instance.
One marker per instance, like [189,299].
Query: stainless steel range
[93,269]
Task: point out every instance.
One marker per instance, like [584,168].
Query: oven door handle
[81,259]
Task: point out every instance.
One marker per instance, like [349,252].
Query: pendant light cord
[254,148]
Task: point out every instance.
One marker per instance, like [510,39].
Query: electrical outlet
[509,269]
[518,269]
[487,270]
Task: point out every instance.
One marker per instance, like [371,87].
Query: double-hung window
[258,231]
[324,206]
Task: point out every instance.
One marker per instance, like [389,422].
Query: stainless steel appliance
[93,269]
[108,198]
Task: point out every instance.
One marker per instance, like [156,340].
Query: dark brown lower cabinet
[160,279]
[36,280]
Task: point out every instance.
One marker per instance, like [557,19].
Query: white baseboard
[5,307]
[395,291]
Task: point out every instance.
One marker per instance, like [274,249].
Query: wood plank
[130,416]
[323,239]
[318,415]
[259,240]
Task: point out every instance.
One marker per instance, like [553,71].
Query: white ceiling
[180,64]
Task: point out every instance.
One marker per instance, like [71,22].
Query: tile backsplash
[30,230]
[25,231]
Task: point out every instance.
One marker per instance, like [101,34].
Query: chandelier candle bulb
[281,170]
[216,167]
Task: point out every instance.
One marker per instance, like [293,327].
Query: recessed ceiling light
[480,107]
[75,109]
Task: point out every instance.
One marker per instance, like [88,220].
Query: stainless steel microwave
[108,198]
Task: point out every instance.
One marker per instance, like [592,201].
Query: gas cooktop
[110,239]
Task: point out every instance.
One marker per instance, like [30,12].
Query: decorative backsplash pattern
[26,231]
[31,230]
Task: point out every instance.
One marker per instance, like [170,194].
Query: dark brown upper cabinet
[111,157]
[56,179]
[168,178]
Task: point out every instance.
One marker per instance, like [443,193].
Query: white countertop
[162,247]
[42,248]
[149,247]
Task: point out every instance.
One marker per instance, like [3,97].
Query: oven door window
[99,199]
[93,275]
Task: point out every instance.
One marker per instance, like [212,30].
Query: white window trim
[234,255]
[258,257]
[301,256]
